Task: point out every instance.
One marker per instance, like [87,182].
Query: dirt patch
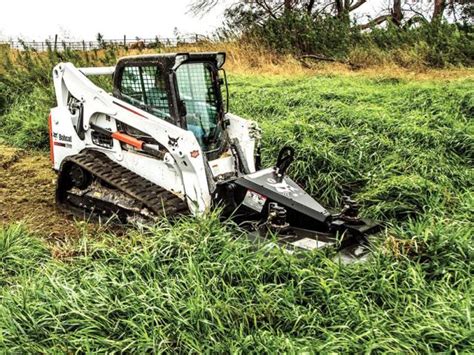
[9,156]
[27,185]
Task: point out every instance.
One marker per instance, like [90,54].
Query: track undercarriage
[92,185]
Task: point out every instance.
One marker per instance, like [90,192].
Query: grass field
[403,148]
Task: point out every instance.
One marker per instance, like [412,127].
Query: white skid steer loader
[163,144]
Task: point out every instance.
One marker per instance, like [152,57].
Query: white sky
[83,19]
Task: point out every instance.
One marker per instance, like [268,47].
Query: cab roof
[171,59]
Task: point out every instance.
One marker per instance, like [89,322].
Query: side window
[131,85]
[146,86]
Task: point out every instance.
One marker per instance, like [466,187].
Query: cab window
[145,86]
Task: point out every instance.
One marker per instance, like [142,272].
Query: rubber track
[157,199]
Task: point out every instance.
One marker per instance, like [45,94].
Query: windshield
[199,94]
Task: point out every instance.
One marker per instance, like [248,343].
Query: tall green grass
[198,287]
[27,94]
[404,149]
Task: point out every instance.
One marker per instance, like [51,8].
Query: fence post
[125,41]
[55,43]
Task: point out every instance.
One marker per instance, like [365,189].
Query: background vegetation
[362,33]
[423,33]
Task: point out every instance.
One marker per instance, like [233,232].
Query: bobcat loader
[163,144]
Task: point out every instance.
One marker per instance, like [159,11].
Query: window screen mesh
[146,85]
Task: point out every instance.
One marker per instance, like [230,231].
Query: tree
[399,12]
[438,10]
[277,8]
[341,9]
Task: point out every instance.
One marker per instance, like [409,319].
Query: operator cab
[183,89]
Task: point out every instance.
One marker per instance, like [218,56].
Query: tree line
[438,31]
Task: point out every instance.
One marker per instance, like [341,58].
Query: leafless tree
[275,8]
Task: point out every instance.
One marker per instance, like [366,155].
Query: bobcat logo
[173,142]
[284,188]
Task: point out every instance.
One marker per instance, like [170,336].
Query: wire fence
[129,43]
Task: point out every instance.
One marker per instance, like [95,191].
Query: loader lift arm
[105,111]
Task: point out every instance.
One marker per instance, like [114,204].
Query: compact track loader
[163,144]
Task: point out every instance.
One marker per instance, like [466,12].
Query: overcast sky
[34,19]
[39,20]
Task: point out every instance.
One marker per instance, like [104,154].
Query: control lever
[285,158]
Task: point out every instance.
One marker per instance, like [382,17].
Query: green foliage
[197,286]
[438,43]
[19,253]
[300,34]
[398,147]
[26,92]
[24,124]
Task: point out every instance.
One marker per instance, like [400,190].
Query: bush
[438,44]
[295,34]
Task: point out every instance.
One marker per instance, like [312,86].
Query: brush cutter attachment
[279,207]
